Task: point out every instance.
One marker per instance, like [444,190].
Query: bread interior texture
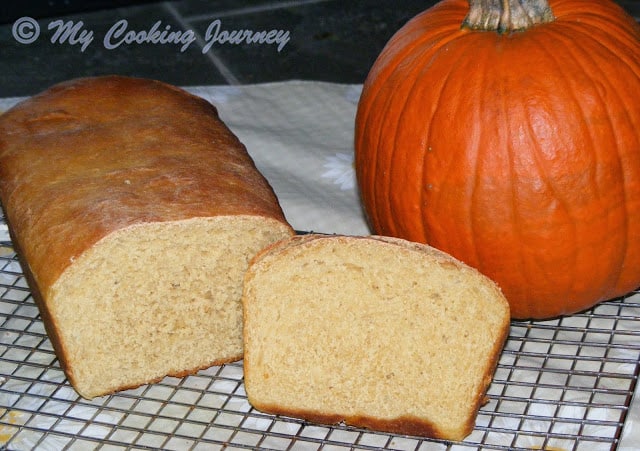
[373,334]
[156,299]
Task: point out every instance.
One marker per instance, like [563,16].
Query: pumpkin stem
[505,16]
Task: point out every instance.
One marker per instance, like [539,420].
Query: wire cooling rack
[565,384]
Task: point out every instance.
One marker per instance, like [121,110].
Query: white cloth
[300,135]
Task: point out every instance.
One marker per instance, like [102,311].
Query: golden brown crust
[110,152]
[403,425]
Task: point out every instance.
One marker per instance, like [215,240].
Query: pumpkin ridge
[569,90]
[375,199]
[390,102]
[615,273]
[517,222]
[617,152]
[602,14]
[584,55]
[425,34]
[376,83]
[392,193]
[541,268]
[469,54]
[479,156]
[621,55]
[428,140]
[387,62]
[391,190]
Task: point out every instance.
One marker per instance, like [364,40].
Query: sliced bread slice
[372,332]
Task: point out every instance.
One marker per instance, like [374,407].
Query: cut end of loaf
[373,332]
[156,299]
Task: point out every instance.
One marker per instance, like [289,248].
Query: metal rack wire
[562,384]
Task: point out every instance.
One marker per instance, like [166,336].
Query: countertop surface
[328,40]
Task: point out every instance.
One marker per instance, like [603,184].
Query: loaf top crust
[94,155]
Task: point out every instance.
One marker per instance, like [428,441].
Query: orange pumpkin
[517,150]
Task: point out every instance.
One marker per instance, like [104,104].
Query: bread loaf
[373,332]
[135,212]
